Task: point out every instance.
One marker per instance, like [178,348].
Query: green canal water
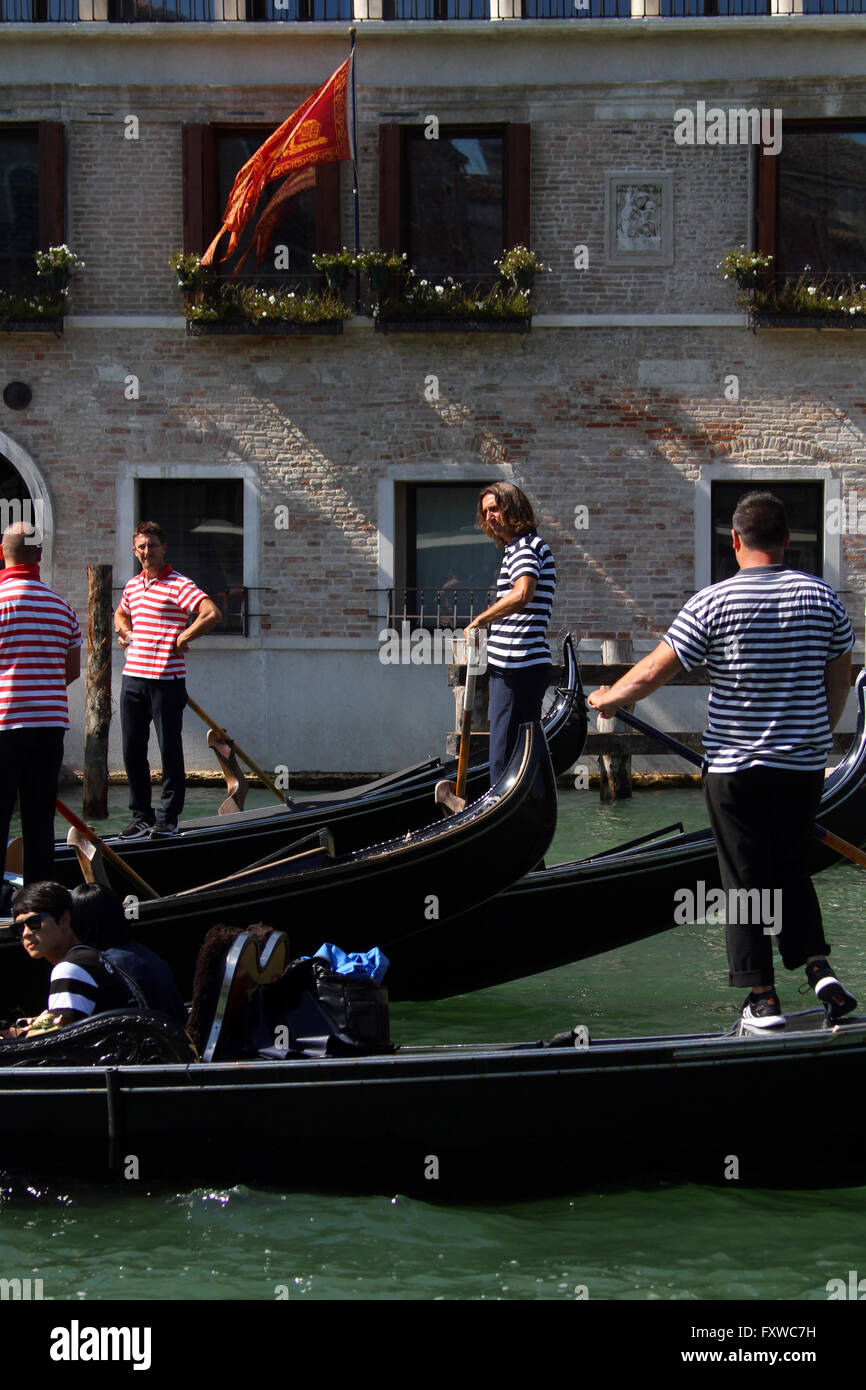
[641,1243]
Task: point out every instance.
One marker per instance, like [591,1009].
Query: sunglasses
[33,921]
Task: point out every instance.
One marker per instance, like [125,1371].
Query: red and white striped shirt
[37,629]
[158,610]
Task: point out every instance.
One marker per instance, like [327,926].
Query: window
[259,10]
[453,204]
[151,11]
[812,201]
[448,566]
[203,523]
[307,222]
[804,503]
[31,199]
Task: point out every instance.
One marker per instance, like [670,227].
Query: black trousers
[161,703]
[762,820]
[515,698]
[29,767]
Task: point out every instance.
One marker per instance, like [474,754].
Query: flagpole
[355,204]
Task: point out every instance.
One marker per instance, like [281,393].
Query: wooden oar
[109,853]
[236,783]
[89,857]
[224,738]
[834,842]
[15,856]
[451,796]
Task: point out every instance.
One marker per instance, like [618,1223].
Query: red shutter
[765,211]
[52,185]
[518,172]
[390,188]
[328,227]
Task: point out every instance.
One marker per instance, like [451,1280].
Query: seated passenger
[82,982]
[99,921]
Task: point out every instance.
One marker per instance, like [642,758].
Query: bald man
[40,655]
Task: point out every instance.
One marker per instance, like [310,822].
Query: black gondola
[576,910]
[508,1118]
[377,811]
[313,895]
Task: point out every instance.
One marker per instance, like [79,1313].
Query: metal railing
[341,11]
[445,608]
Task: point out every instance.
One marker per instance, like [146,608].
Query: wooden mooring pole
[615,768]
[97,691]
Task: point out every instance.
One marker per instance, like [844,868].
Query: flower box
[817,322]
[53,325]
[452,325]
[279,328]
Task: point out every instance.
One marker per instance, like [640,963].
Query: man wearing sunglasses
[82,981]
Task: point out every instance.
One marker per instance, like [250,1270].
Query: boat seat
[232,965]
[116,1038]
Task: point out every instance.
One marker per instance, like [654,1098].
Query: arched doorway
[24,497]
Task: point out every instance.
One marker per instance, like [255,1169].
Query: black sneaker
[162,829]
[837,1000]
[763,1010]
[138,829]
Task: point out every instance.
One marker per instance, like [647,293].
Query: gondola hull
[439,1121]
[573,911]
[378,811]
[354,900]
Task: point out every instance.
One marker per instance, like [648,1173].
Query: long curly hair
[515,506]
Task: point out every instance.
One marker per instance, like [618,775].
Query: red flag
[267,223]
[314,134]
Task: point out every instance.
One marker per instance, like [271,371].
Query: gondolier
[777,646]
[151,623]
[518,657]
[40,655]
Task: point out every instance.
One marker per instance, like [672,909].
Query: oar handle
[466,724]
[91,835]
[221,733]
[834,842]
[673,743]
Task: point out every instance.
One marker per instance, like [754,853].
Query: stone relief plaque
[639,218]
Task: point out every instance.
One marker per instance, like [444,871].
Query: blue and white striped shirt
[765,636]
[517,640]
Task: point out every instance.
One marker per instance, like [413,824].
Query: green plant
[189,269]
[744,266]
[57,258]
[387,260]
[519,260]
[30,308]
[425,299]
[331,260]
[809,296]
[247,304]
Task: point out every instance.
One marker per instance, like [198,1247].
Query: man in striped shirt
[518,657]
[40,655]
[777,647]
[151,623]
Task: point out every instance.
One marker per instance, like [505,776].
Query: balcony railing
[445,608]
[341,11]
